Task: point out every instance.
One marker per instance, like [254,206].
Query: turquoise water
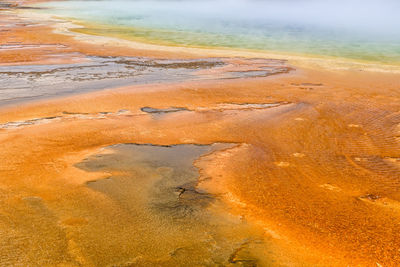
[367,30]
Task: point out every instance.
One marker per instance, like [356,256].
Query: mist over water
[357,29]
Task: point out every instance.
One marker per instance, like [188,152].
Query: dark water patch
[172,190]
[162,111]
[157,186]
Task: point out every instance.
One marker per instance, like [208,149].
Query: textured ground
[300,168]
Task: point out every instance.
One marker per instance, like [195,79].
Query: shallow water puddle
[20,83]
[170,221]
[26,82]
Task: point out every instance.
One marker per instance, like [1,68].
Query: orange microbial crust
[313,169]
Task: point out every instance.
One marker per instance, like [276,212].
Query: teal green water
[366,30]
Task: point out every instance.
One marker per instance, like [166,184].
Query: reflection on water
[164,219]
[353,29]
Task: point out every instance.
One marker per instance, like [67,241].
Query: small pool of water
[165,220]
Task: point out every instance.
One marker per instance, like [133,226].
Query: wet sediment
[32,82]
[299,171]
[291,170]
[156,186]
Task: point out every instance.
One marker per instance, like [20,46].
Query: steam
[366,18]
